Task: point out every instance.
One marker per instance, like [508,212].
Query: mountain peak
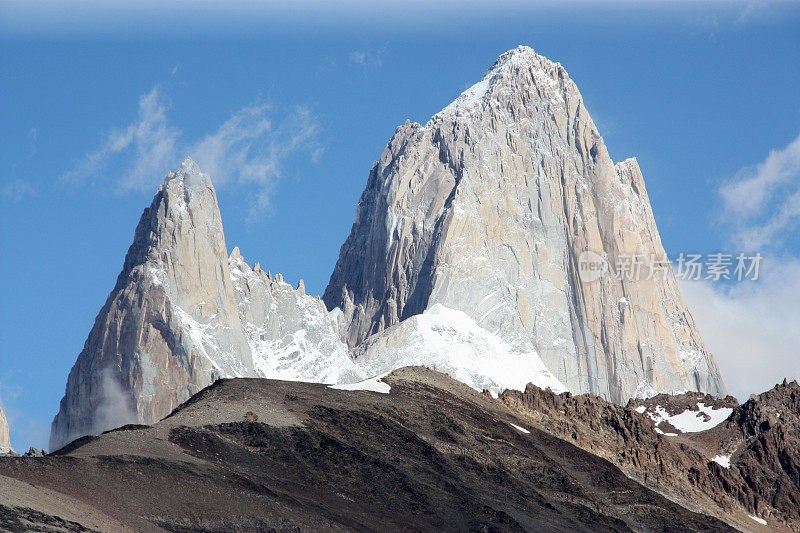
[519,56]
[188,177]
[169,327]
[488,209]
[516,69]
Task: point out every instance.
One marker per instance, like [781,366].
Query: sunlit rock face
[169,327]
[183,314]
[5,438]
[488,208]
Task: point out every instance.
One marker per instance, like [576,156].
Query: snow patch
[723,460]
[520,429]
[469,98]
[759,520]
[372,384]
[291,335]
[692,421]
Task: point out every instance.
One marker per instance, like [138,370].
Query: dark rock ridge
[254,454]
[760,441]
[763,437]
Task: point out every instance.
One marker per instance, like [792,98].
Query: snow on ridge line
[691,421]
[450,341]
[523,430]
[373,384]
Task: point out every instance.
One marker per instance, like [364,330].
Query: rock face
[5,437]
[748,461]
[290,334]
[489,209]
[762,438]
[179,318]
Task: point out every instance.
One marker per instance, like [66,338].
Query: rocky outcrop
[5,437]
[429,454]
[290,333]
[183,314]
[748,462]
[762,437]
[490,208]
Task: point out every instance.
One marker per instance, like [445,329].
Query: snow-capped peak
[520,64]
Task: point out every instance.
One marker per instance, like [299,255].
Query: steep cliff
[183,314]
[5,437]
[170,326]
[489,208]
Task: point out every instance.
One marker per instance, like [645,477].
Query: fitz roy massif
[463,370]
[463,257]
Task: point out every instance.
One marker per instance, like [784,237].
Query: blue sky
[290,103]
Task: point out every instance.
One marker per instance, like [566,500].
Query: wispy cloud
[247,149]
[752,327]
[16,190]
[708,25]
[359,58]
[763,201]
[144,149]
[368,59]
[753,11]
[250,149]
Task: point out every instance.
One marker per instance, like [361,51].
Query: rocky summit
[183,313]
[465,256]
[488,208]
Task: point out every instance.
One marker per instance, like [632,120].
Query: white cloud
[247,149]
[752,328]
[144,149]
[250,149]
[368,59]
[359,58]
[16,190]
[763,201]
